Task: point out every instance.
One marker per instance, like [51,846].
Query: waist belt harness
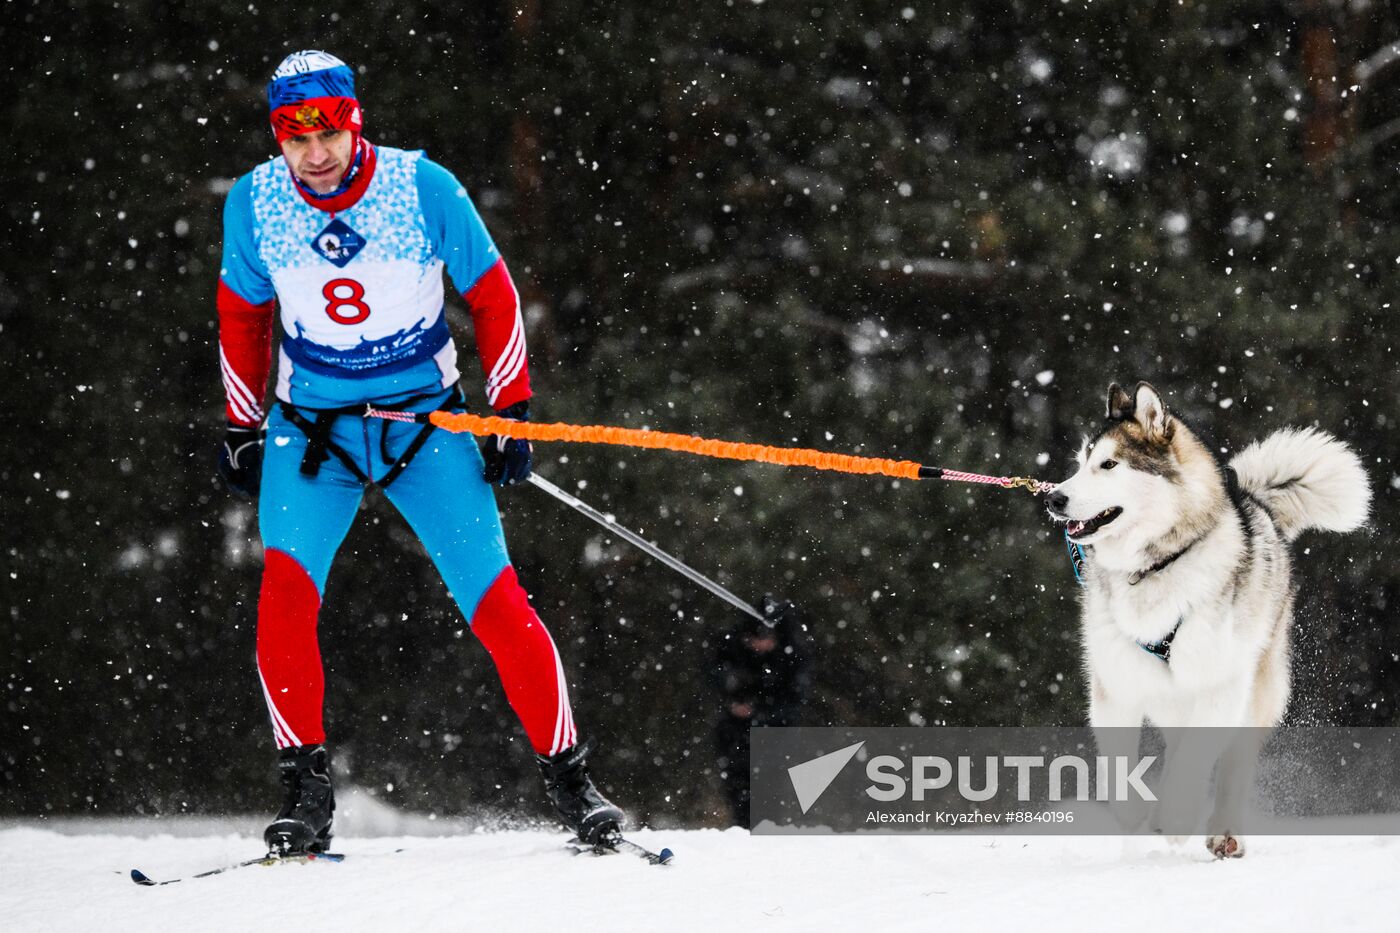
[319,446]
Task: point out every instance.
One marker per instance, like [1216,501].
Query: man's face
[319,159]
[761,643]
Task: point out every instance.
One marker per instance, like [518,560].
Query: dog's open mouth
[1078,529]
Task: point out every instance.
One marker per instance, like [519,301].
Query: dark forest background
[866,227]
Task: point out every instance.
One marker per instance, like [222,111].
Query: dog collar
[1077,560]
[1162,650]
[1137,576]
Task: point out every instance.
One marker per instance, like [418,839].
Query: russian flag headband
[313,91]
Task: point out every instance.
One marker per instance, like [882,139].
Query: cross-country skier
[348,240]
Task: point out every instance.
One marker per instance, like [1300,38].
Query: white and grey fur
[1185,543]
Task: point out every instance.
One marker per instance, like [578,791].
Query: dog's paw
[1225,846]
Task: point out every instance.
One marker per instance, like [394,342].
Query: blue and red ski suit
[356,283]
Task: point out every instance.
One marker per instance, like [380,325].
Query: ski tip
[665,856]
[140,878]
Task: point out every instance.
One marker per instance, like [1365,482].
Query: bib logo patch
[338,244]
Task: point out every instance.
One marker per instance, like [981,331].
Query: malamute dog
[1188,592]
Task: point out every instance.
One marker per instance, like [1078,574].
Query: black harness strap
[319,445]
[408,454]
[1162,650]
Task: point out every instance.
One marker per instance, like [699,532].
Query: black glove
[778,612]
[240,461]
[507,459]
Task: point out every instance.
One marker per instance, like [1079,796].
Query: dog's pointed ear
[1151,411]
[1120,403]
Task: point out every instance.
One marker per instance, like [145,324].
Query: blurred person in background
[761,671]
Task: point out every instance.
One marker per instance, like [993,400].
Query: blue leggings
[450,507]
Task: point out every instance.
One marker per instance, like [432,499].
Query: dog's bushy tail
[1306,479]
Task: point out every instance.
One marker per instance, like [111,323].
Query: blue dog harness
[1161,650]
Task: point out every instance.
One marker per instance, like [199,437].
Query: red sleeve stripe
[500,336]
[242,401]
[245,353]
[511,362]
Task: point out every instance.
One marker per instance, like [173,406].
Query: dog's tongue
[1074,528]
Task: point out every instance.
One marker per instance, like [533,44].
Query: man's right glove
[240,461]
[778,611]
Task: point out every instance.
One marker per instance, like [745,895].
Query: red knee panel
[528,664]
[289,656]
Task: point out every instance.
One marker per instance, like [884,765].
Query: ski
[145,880]
[614,843]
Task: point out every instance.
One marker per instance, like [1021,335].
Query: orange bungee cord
[700,446]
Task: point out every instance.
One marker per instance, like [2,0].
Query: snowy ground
[75,878]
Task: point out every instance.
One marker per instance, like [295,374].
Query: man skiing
[349,241]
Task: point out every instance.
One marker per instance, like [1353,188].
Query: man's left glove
[508,459]
[240,461]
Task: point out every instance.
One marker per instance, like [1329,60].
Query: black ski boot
[304,823]
[575,799]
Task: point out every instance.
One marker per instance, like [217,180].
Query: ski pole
[608,522]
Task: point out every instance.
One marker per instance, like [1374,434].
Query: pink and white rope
[1006,482]
[390,415]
